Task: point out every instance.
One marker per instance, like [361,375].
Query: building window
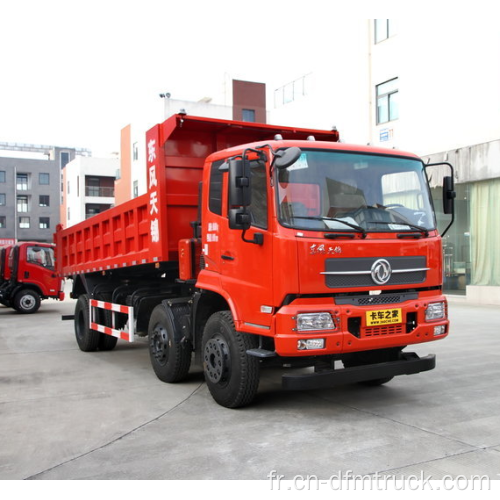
[248,115]
[64,158]
[99,186]
[44,223]
[24,222]
[2,222]
[22,182]
[22,203]
[44,200]
[384,28]
[135,151]
[43,178]
[2,176]
[136,189]
[387,101]
[2,199]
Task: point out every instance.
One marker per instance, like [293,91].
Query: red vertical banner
[155,162]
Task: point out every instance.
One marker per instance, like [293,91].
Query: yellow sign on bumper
[383,317]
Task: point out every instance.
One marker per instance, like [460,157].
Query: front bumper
[408,364]
[352,333]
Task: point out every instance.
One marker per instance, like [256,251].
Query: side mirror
[285,157]
[239,183]
[239,218]
[448,192]
[449,195]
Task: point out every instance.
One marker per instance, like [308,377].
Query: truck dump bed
[147,229]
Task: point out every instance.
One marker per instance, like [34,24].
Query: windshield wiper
[398,218]
[357,228]
[401,221]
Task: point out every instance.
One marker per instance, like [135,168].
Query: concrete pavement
[65,414]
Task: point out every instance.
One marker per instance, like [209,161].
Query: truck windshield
[342,191]
[43,256]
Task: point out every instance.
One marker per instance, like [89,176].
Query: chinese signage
[155,181]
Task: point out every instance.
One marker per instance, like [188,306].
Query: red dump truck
[259,245]
[27,276]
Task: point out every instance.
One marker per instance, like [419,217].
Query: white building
[88,188]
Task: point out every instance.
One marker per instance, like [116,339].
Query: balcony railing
[103,192]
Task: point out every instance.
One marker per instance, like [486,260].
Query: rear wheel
[27,302]
[170,356]
[107,342]
[87,339]
[232,375]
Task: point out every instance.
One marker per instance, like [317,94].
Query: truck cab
[335,253]
[29,277]
[323,252]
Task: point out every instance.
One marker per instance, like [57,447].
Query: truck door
[36,266]
[245,268]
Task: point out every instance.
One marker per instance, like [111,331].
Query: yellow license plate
[383,317]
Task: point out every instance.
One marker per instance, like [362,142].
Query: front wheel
[27,302]
[232,376]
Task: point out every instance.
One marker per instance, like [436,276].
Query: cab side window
[36,255]
[215,189]
[41,256]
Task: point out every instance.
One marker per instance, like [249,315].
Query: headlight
[315,321]
[435,311]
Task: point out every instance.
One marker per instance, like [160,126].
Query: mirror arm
[258,238]
[449,194]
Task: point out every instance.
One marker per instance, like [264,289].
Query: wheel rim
[160,344]
[27,302]
[216,360]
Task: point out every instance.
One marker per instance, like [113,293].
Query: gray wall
[32,167]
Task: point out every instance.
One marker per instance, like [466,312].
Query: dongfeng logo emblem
[381,272]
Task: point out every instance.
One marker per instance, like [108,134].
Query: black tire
[376,382]
[106,342]
[370,357]
[170,356]
[232,376]
[27,302]
[87,339]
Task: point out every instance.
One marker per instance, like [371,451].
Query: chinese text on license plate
[383,317]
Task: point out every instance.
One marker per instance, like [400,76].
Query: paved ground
[65,414]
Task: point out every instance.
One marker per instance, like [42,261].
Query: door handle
[227,257]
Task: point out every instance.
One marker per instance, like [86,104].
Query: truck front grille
[356,272]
